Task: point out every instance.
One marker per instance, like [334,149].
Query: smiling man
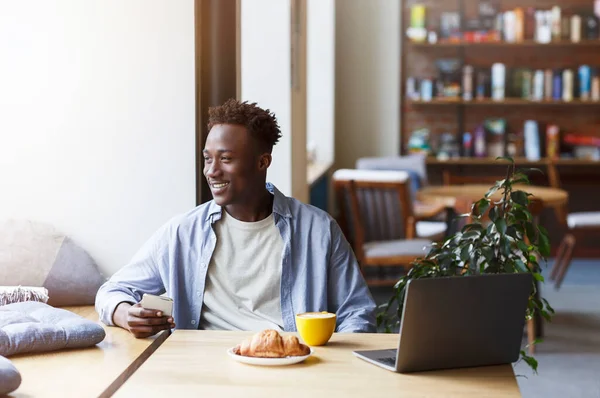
[251,258]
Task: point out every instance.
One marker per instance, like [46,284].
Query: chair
[377,216]
[579,225]
[429,227]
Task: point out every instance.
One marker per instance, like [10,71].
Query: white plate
[267,361]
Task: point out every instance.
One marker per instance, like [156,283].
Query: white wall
[320,78]
[97,118]
[266,74]
[367,79]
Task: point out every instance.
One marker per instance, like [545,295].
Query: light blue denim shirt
[319,271]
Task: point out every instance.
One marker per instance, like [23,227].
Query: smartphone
[159,303]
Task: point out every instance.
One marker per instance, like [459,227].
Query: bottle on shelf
[532,140]
[498,81]
[575,28]
[567,85]
[596,87]
[548,84]
[556,23]
[538,85]
[557,83]
[585,82]
[467,86]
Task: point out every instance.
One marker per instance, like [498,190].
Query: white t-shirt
[243,284]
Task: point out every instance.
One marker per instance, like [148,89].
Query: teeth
[221,185]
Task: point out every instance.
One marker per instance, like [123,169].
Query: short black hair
[260,123]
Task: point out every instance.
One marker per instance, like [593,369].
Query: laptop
[457,322]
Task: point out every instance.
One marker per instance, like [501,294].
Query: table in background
[195,363]
[90,372]
[448,194]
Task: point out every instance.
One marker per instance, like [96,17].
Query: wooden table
[550,197]
[90,372]
[195,363]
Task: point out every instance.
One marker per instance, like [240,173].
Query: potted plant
[501,237]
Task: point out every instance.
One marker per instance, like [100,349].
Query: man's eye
[206,158]
[225,158]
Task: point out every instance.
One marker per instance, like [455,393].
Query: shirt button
[198,294]
[193,322]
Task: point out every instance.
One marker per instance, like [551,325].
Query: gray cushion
[430,229]
[35,254]
[411,247]
[36,327]
[584,219]
[10,378]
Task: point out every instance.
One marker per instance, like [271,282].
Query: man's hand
[141,322]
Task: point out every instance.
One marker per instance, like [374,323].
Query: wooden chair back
[374,206]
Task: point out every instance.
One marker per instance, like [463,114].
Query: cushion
[17,294]
[430,229]
[35,254]
[583,220]
[32,326]
[410,247]
[10,378]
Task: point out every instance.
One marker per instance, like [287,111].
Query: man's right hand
[141,322]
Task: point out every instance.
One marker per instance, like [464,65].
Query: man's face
[233,166]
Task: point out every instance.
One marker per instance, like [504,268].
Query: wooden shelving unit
[453,115]
[456,116]
[496,44]
[505,102]
[518,161]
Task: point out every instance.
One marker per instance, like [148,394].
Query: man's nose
[212,169]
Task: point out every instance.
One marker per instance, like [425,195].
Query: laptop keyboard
[390,361]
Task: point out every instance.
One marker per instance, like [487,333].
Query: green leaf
[465,253]
[530,169]
[522,246]
[492,191]
[546,315]
[488,253]
[520,197]
[531,232]
[538,277]
[481,206]
[501,226]
[473,234]
[548,307]
[520,265]
[544,245]
[493,214]
[506,158]
[531,361]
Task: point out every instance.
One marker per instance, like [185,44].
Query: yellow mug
[315,328]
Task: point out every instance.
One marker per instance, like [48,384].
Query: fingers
[143,322]
[141,312]
[147,331]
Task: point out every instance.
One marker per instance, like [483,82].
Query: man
[251,258]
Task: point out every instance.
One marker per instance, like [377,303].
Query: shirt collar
[280,205]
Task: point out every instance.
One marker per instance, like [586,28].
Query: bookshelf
[455,116]
[496,44]
[505,102]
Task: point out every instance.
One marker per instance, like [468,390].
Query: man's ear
[264,161]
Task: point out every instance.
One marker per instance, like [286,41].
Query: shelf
[497,44]
[505,102]
[518,161]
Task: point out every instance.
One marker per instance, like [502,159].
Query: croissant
[269,344]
